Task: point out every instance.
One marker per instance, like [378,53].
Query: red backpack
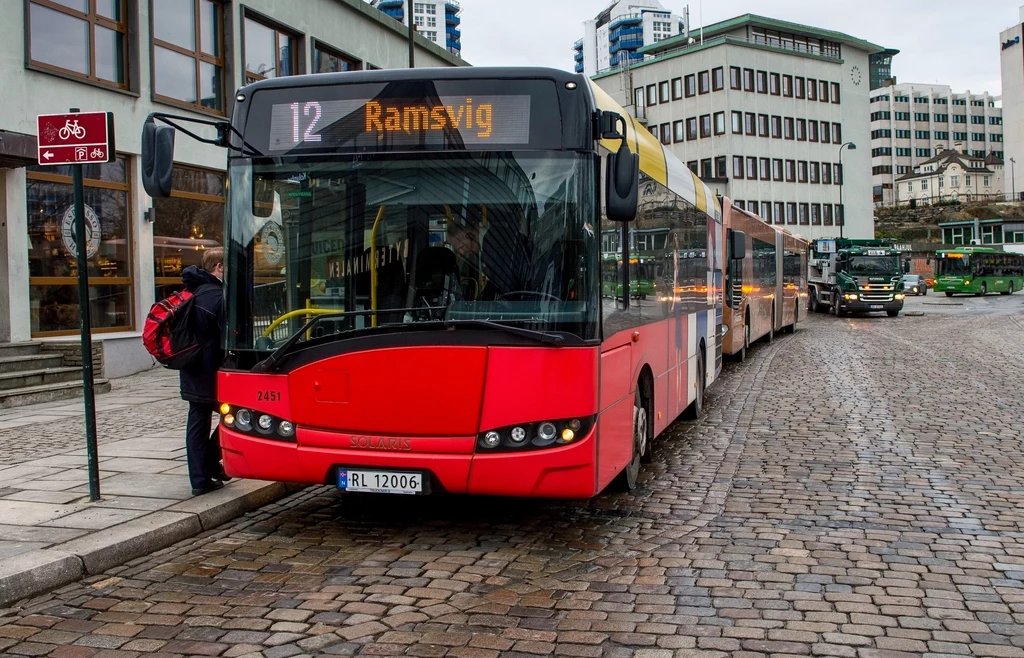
[168,334]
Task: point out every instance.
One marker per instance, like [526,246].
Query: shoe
[222,476]
[212,485]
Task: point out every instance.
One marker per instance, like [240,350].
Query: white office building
[772,114]
[132,59]
[912,123]
[1011,42]
[612,38]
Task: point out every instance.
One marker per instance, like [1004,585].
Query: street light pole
[1013,177]
[842,179]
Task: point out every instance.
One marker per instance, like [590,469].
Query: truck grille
[878,293]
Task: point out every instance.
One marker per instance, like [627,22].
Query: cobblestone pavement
[146,402]
[856,489]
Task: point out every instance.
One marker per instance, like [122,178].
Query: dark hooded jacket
[199,379]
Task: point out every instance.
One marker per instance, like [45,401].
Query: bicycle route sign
[76,138]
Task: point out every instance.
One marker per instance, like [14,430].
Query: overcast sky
[953,42]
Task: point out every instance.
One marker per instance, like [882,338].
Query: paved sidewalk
[51,534]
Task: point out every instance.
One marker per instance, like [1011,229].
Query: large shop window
[53,268]
[188,53]
[86,39]
[185,225]
[269,52]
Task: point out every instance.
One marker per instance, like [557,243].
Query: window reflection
[269,52]
[180,38]
[83,38]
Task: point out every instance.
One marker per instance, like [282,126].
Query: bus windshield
[874,265]
[506,237]
[954,265]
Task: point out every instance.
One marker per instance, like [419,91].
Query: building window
[268,52]
[777,169]
[666,133]
[719,123]
[663,96]
[776,127]
[799,84]
[748,79]
[837,173]
[188,223]
[764,170]
[53,267]
[766,211]
[816,214]
[762,82]
[737,166]
[826,173]
[774,84]
[987,181]
[825,134]
[638,96]
[692,166]
[691,85]
[704,82]
[812,89]
[954,181]
[718,79]
[803,214]
[762,125]
[835,101]
[787,128]
[801,171]
[734,77]
[705,125]
[791,213]
[721,170]
[840,215]
[742,205]
[801,130]
[677,88]
[678,133]
[705,168]
[751,123]
[837,133]
[787,86]
[814,172]
[790,171]
[778,213]
[188,52]
[652,95]
[823,91]
[691,128]
[812,131]
[737,122]
[79,38]
[826,214]
[328,60]
[751,168]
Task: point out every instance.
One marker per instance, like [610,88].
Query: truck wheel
[893,313]
[837,307]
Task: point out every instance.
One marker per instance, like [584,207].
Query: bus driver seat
[437,277]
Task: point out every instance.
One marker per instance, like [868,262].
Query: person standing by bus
[199,379]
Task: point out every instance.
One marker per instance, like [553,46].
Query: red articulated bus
[415,298]
[766,290]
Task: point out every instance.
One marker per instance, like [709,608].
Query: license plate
[876,307]
[388,482]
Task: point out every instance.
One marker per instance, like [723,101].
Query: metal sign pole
[81,249]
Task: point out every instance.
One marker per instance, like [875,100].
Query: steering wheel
[521,294]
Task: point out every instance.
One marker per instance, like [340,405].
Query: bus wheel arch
[693,410]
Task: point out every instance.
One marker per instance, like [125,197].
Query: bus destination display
[466,121]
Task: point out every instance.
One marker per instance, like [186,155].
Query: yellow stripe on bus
[702,200]
[640,140]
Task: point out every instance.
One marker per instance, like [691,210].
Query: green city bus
[978,271]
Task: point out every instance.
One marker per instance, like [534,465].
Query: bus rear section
[469,418]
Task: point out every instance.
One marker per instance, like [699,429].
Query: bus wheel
[1009,291]
[641,444]
[984,290]
[692,412]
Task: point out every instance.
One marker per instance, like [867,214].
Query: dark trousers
[202,449]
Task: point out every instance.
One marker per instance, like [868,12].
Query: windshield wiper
[539,336]
[267,364]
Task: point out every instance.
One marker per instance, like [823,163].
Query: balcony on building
[578,45]
[631,19]
[579,67]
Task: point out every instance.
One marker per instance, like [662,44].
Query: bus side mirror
[622,180]
[737,245]
[157,159]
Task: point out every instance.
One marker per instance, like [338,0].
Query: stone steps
[29,375]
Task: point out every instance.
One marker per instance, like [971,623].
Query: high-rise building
[613,37]
[911,123]
[436,20]
[772,114]
[1012,61]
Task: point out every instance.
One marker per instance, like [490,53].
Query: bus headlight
[265,422]
[243,419]
[533,436]
[260,424]
[491,440]
[286,428]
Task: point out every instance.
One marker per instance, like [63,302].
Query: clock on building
[855,75]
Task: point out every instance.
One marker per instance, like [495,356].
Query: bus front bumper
[561,472]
